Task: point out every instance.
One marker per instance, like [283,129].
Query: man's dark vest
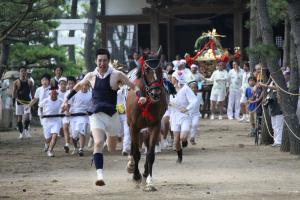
[104,98]
[23,93]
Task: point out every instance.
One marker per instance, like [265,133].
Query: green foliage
[36,25]
[263,50]
[277,10]
[39,56]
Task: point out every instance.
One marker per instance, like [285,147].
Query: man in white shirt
[180,120]
[218,92]
[124,129]
[104,120]
[80,103]
[41,93]
[245,85]
[235,78]
[51,126]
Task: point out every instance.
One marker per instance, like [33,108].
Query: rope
[291,130]
[255,108]
[287,92]
[24,102]
[266,122]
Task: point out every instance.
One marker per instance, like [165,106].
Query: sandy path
[223,165]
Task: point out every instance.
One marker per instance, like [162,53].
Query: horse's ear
[159,51]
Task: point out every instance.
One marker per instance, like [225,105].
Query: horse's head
[152,75]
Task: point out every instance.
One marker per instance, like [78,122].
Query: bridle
[156,84]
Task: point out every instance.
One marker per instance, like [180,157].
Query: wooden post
[170,36]
[103,31]
[238,27]
[154,28]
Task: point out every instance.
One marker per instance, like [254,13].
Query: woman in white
[183,102]
[235,78]
[80,103]
[218,92]
[124,129]
[51,126]
[245,85]
[195,111]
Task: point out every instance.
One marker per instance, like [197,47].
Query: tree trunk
[71,48]
[266,130]
[294,15]
[253,57]
[266,126]
[4,56]
[287,42]
[285,143]
[277,76]
[89,39]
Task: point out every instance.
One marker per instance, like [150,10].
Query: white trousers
[195,123]
[277,125]
[124,131]
[234,98]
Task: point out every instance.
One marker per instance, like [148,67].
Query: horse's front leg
[154,133]
[135,155]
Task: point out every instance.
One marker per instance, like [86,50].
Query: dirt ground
[224,164]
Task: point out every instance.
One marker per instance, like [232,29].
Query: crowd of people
[94,107]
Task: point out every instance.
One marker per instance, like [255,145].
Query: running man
[104,120]
[22,91]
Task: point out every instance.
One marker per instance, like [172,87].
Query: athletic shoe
[66,148]
[184,143]
[276,145]
[46,148]
[80,152]
[158,148]
[164,143]
[220,117]
[205,115]
[192,140]
[21,136]
[230,118]
[124,153]
[212,117]
[179,160]
[170,142]
[75,151]
[99,181]
[90,143]
[50,153]
[27,133]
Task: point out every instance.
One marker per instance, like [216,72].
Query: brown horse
[149,115]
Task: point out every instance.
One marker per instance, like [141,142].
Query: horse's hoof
[137,178]
[130,167]
[149,188]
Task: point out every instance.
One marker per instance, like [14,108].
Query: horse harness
[150,87]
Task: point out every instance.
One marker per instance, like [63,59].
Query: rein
[156,84]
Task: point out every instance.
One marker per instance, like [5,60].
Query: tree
[71,48]
[26,21]
[272,64]
[253,55]
[89,39]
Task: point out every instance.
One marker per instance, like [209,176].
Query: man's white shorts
[22,109]
[51,126]
[217,95]
[111,124]
[183,125]
[79,125]
[66,120]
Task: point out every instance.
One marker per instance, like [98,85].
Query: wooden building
[128,25]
